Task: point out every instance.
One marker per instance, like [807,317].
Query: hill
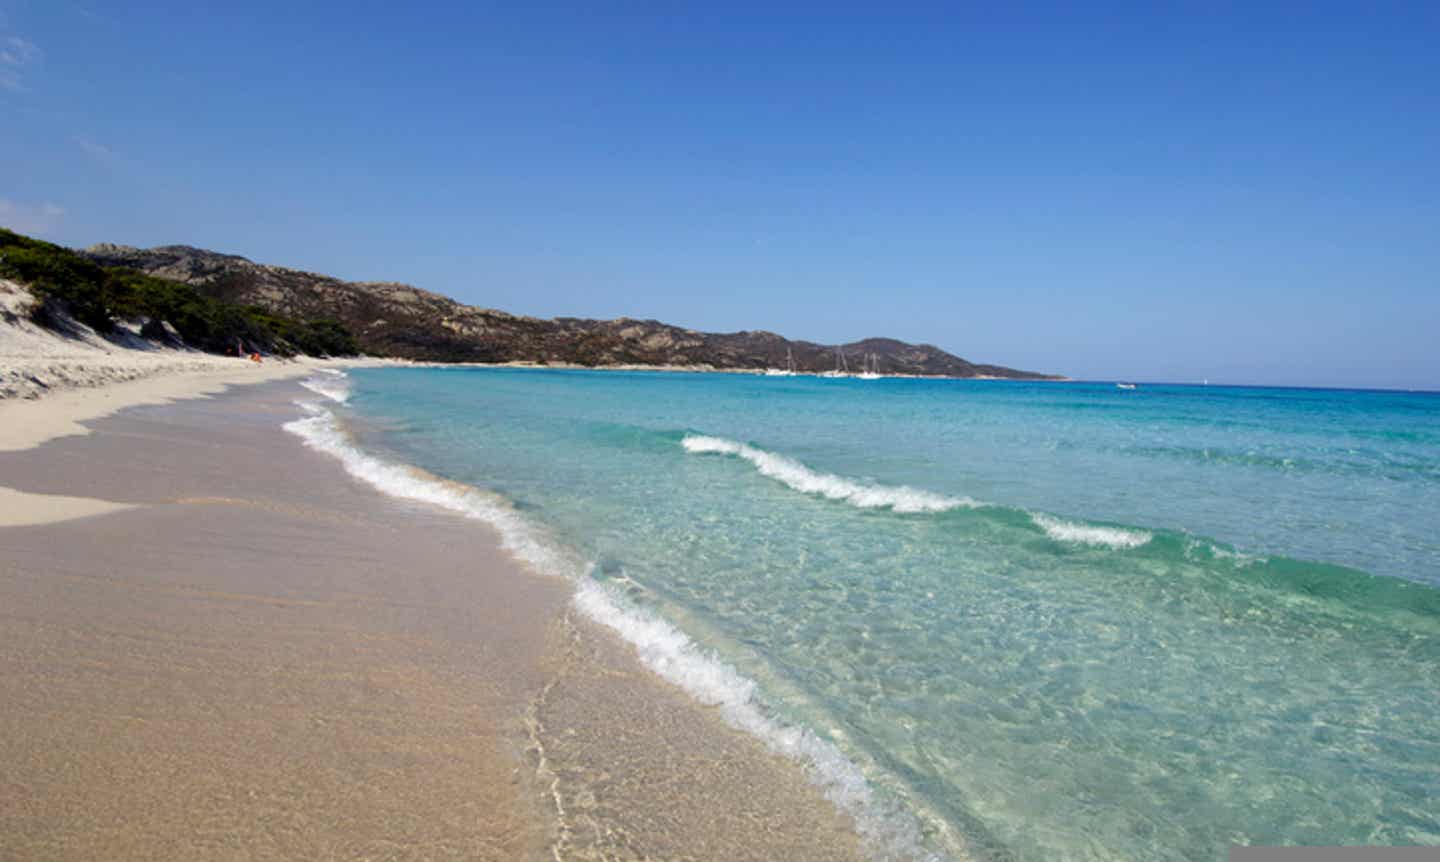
[391,319]
[70,289]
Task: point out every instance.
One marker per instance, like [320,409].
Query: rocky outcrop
[390,319]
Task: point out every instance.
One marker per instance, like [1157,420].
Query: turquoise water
[1045,621]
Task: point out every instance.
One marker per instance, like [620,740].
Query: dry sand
[83,376]
[37,362]
[258,658]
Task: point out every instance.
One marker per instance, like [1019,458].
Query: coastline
[28,422]
[317,668]
[707,369]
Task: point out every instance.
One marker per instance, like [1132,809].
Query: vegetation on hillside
[98,296]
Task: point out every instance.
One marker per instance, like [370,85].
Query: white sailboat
[872,368]
[842,368]
[787,371]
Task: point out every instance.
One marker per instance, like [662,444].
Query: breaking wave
[1088,534]
[899,498]
[321,431]
[332,384]
[790,472]
[671,653]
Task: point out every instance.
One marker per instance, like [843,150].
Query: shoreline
[26,423]
[710,369]
[580,746]
[703,369]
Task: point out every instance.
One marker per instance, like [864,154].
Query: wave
[1412,604]
[321,431]
[662,647]
[899,498]
[671,653]
[1198,549]
[332,384]
[1088,534]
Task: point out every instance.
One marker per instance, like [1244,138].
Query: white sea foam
[888,830]
[900,498]
[1087,534]
[321,431]
[333,384]
[790,472]
[1198,549]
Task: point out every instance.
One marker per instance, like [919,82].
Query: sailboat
[842,368]
[872,367]
[788,370]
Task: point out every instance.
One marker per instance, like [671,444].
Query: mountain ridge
[401,320]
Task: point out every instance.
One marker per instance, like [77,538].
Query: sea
[991,619]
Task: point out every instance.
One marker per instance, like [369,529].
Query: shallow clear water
[1050,621]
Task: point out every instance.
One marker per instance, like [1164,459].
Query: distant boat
[872,368]
[842,368]
[1124,385]
[787,371]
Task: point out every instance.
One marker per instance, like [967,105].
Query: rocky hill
[391,319]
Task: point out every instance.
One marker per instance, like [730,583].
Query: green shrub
[98,296]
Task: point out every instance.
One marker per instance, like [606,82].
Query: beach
[215,644]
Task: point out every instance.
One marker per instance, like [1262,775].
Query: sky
[1243,192]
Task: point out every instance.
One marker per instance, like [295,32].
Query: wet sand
[261,658]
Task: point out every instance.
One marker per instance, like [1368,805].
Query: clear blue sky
[1247,191]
